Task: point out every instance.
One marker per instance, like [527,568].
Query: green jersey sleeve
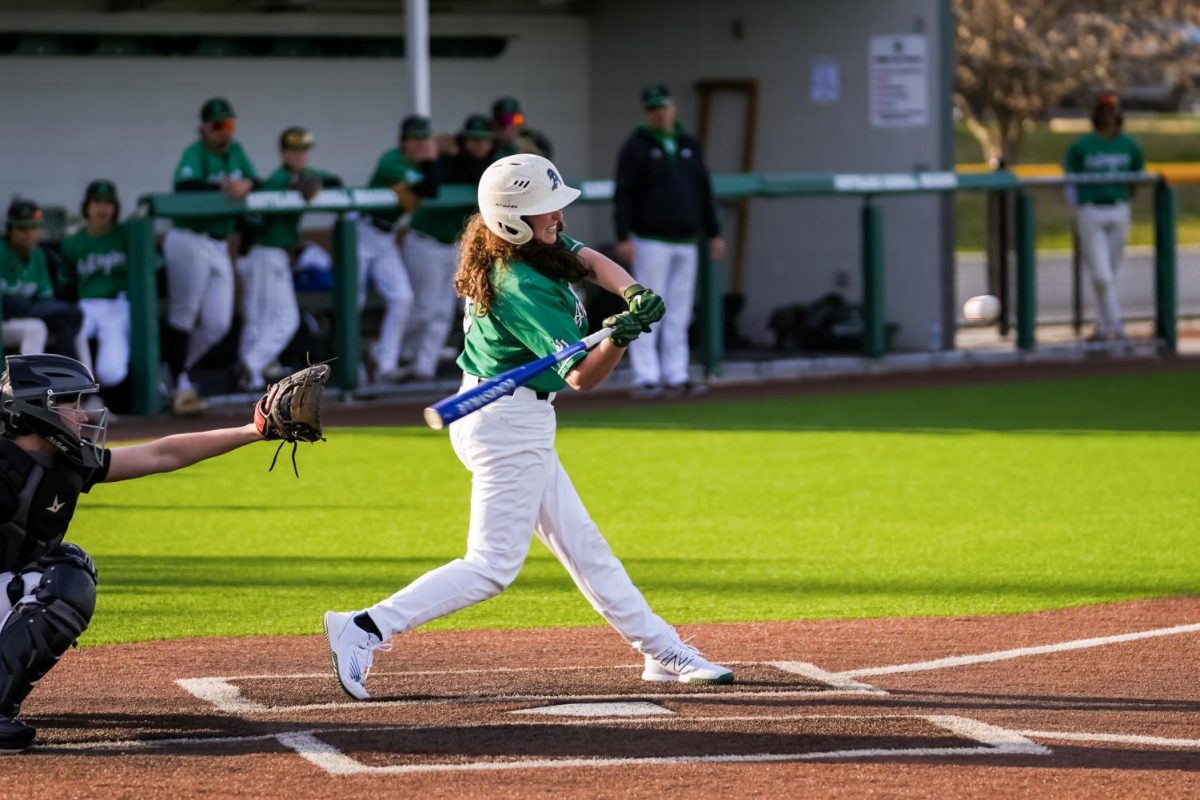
[240,162]
[542,315]
[569,243]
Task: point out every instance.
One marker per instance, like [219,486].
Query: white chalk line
[225,696]
[1020,652]
[473,671]
[1112,738]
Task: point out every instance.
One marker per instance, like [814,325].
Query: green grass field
[967,500]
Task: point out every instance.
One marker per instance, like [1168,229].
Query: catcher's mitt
[291,410]
[308,184]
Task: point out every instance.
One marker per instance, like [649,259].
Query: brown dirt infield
[263,717]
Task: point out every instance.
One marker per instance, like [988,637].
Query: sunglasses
[227,125]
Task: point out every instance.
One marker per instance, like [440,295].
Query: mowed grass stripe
[977,499]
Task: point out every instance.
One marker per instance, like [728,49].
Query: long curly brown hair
[484,251]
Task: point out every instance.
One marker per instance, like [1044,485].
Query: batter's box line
[222,694]
[992,741]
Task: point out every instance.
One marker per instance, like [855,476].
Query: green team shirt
[28,279]
[198,163]
[97,263]
[443,224]
[283,230]
[393,168]
[1094,154]
[532,316]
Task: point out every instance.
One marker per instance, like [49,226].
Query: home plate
[632,709]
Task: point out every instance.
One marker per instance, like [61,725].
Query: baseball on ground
[982,308]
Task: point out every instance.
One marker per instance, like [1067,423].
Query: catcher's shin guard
[44,624]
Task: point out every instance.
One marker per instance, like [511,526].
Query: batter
[516,273]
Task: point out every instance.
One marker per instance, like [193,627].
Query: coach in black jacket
[664,201]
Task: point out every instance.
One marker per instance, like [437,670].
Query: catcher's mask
[42,394]
[517,187]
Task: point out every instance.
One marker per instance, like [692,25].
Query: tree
[1018,58]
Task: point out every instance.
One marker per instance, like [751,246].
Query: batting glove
[645,305]
[625,327]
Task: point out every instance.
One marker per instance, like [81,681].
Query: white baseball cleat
[684,664]
[352,650]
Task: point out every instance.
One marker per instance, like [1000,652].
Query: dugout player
[51,451]
[1102,209]
[516,272]
[430,252]
[410,170]
[199,271]
[26,286]
[270,313]
[512,136]
[662,202]
[94,263]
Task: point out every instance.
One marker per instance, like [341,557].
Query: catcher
[51,451]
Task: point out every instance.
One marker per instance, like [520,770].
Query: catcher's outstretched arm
[177,451]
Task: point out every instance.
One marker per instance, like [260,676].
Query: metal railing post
[711,322]
[346,317]
[144,360]
[874,333]
[1165,289]
[1026,236]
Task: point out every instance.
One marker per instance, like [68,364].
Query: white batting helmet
[519,186]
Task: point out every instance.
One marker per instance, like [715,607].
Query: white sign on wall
[826,83]
[899,79]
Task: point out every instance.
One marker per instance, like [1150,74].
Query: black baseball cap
[416,126]
[656,95]
[24,214]
[216,109]
[102,190]
[477,127]
[296,138]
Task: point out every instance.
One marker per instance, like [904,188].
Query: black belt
[380,225]
[215,237]
[1103,203]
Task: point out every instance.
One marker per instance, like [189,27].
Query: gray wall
[797,249]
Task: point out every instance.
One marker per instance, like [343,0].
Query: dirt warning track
[1099,701]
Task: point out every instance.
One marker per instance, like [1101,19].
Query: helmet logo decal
[554,179]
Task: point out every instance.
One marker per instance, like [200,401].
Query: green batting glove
[625,326]
[645,305]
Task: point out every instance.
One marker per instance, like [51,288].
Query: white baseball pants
[29,584]
[661,356]
[1103,231]
[27,334]
[106,321]
[199,289]
[270,313]
[518,486]
[379,258]
[431,267]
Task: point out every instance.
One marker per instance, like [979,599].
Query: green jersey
[283,230]
[393,168]
[199,165]
[1092,154]
[27,279]
[97,263]
[531,316]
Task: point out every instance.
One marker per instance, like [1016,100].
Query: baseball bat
[457,406]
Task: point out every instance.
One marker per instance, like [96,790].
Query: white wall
[66,121]
[797,248]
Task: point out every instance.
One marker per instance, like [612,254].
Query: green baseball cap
[477,126]
[216,109]
[656,95]
[24,214]
[102,190]
[416,126]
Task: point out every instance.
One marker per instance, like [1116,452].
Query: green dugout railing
[144,361]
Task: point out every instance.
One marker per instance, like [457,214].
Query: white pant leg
[1091,221]
[82,347]
[651,268]
[568,532]
[1118,233]
[391,281]
[107,320]
[187,257]
[269,308]
[27,334]
[30,581]
[431,265]
[509,448]
[679,296]
[216,304]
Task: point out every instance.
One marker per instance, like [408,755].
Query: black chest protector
[41,493]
